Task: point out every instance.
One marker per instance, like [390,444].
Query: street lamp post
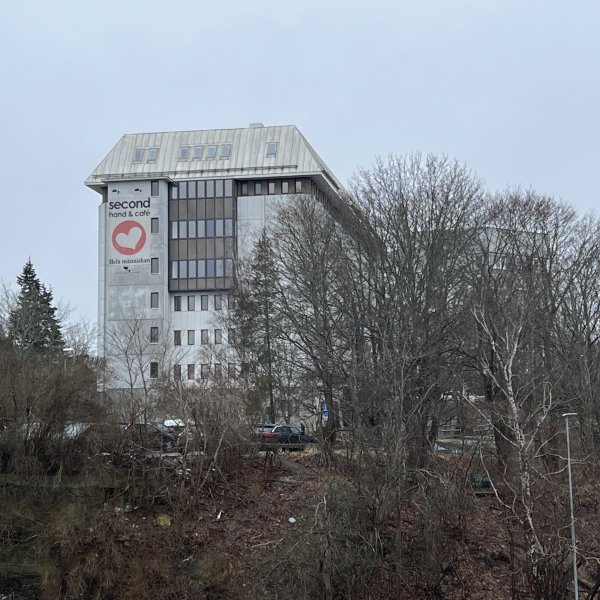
[573,538]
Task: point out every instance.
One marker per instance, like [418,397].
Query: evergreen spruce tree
[33,324]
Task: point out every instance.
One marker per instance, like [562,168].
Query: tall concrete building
[177,211]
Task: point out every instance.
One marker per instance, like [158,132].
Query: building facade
[177,211]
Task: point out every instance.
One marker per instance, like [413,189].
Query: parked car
[285,437]
[153,436]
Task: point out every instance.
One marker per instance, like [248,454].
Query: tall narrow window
[204,302]
[218,336]
[204,337]
[177,337]
[230,301]
[153,299]
[191,337]
[231,369]
[191,300]
[177,303]
[154,265]
[244,188]
[154,225]
[177,372]
[191,371]
[218,371]
[271,187]
[154,335]
[174,230]
[204,371]
[153,370]
[285,187]
[174,270]
[257,188]
[153,187]
[218,302]
[298,186]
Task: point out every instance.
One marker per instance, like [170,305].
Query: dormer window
[184,152]
[138,155]
[197,152]
[211,151]
[152,154]
[272,149]
[225,150]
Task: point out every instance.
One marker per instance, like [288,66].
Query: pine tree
[33,324]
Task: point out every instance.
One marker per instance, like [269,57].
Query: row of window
[202,269]
[198,153]
[218,302]
[206,370]
[205,337]
[211,188]
[203,228]
[258,188]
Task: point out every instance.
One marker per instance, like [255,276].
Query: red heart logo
[128,237]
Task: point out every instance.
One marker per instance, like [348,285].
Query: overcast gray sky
[510,87]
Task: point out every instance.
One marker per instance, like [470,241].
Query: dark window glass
[154,265]
[154,188]
[204,371]
[271,187]
[197,152]
[154,225]
[257,188]
[218,302]
[210,267]
[191,337]
[285,187]
[153,370]
[225,150]
[231,369]
[218,371]
[211,151]
[204,337]
[204,302]
[191,300]
[177,337]
[177,303]
[218,336]
[210,228]
[184,152]
[153,299]
[154,335]
[244,188]
[191,371]
[228,188]
[177,372]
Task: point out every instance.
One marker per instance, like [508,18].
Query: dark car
[152,436]
[285,437]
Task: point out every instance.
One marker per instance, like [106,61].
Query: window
[202,268]
[191,337]
[191,371]
[244,188]
[218,302]
[204,302]
[154,265]
[210,267]
[210,188]
[191,300]
[154,335]
[184,154]
[229,267]
[257,188]
[174,270]
[210,228]
[153,184]
[154,225]
[153,370]
[225,150]
[218,371]
[211,151]
[219,272]
[231,369]
[218,336]
[219,228]
[191,229]
[183,229]
[138,154]
[177,303]
[197,152]
[153,299]
[298,186]
[230,301]
[204,337]
[174,191]
[201,228]
[219,188]
[228,227]
[192,268]
[271,187]
[183,269]
[177,372]
[285,187]
[205,371]
[271,148]
[174,230]
[228,188]
[177,337]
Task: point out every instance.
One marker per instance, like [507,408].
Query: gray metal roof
[248,158]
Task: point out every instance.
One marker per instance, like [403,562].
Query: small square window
[191,337]
[177,337]
[153,299]
[177,303]
[177,372]
[151,157]
[154,335]
[257,188]
[218,336]
[191,371]
[285,187]
[191,300]
[271,148]
[154,225]
[154,187]
[205,371]
[204,302]
[138,155]
[154,265]
[211,151]
[271,187]
[218,302]
[184,152]
[197,152]
[225,150]
[153,370]
[298,186]
[204,337]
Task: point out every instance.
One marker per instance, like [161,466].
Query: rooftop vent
[256,125]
